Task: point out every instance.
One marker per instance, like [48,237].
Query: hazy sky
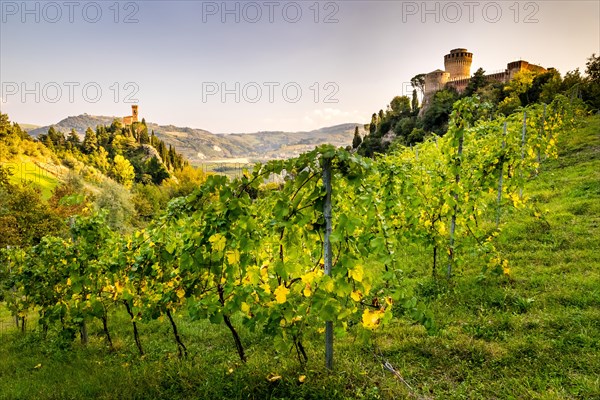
[265,65]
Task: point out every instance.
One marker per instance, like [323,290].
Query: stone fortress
[457,73]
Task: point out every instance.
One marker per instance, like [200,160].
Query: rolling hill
[201,146]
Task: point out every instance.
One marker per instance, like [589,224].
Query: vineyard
[298,260]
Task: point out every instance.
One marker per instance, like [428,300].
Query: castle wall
[459,84]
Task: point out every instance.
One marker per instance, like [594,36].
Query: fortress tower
[458,63]
[134,113]
[130,119]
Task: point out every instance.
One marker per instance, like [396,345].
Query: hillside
[199,145]
[532,335]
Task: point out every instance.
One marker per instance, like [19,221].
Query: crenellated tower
[458,64]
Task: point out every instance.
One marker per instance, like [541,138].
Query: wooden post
[328,255]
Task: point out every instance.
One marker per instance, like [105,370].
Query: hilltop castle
[130,119]
[457,73]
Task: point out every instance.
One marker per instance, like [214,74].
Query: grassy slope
[26,170]
[534,336]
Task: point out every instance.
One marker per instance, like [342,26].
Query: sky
[247,66]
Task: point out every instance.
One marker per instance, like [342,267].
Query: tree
[591,91]
[477,81]
[90,142]
[123,171]
[593,67]
[103,136]
[143,137]
[373,124]
[157,171]
[516,91]
[541,82]
[117,201]
[5,173]
[418,83]
[4,125]
[357,140]
[25,217]
[58,138]
[415,102]
[73,138]
[100,160]
[188,180]
[154,140]
[437,115]
[400,106]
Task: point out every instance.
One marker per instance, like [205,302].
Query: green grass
[26,170]
[535,335]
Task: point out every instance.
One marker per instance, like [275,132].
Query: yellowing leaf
[264,272]
[281,294]
[301,378]
[245,307]
[68,281]
[505,269]
[252,276]
[309,277]
[356,273]
[328,285]
[218,242]
[273,377]
[233,257]
[371,319]
[180,293]
[356,295]
[441,227]
[307,292]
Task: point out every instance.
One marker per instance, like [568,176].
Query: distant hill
[199,145]
[80,123]
[28,127]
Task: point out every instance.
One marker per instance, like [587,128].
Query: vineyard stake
[455,208]
[501,177]
[327,255]
[523,149]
